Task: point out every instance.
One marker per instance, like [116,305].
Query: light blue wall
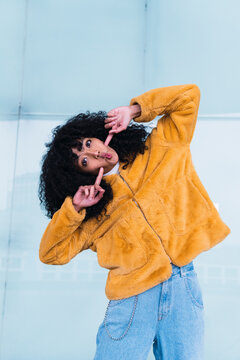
[62,57]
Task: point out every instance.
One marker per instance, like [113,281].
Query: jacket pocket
[120,249]
[184,205]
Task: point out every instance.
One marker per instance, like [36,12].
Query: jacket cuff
[145,113]
[71,211]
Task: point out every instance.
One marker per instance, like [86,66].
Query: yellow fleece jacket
[160,213]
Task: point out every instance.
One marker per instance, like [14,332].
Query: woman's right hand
[85,195]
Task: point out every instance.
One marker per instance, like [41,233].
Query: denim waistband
[182,269]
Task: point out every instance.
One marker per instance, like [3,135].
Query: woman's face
[91,156]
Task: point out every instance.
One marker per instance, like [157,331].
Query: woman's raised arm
[63,238]
[179,104]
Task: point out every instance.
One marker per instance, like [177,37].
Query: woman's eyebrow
[81,148]
[80,142]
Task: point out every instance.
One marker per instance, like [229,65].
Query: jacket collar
[112,177]
[114,170]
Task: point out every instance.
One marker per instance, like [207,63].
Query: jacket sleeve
[179,104]
[64,237]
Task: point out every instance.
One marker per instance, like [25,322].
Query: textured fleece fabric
[160,211]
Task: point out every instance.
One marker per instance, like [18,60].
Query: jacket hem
[138,288]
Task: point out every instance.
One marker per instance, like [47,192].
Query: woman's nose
[94,153]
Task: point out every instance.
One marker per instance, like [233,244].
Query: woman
[157,218]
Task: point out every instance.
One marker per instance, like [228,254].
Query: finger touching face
[99,177]
[108,139]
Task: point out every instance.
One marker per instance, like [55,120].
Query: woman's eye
[84,162]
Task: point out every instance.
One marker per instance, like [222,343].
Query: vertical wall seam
[14,174]
[145,36]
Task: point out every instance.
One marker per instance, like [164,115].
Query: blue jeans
[168,316]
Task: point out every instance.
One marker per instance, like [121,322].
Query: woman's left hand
[118,120]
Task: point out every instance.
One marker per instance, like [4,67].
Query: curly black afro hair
[59,175]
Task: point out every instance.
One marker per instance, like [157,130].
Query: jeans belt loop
[182,272]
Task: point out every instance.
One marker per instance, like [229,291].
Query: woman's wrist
[135,110]
[77,208]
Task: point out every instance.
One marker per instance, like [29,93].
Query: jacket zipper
[143,214]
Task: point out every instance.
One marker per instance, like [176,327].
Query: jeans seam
[112,304]
[161,314]
[189,291]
